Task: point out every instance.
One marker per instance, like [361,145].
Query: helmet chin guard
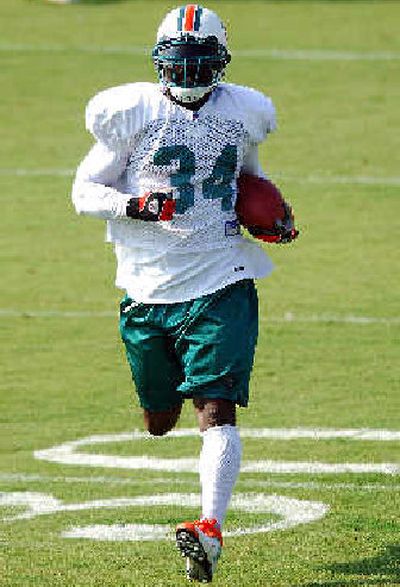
[191,52]
[188,95]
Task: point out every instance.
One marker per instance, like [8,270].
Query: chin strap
[189,95]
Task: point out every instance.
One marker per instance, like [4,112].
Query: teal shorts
[202,348]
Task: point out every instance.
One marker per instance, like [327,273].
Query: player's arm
[251,163]
[93,192]
[93,195]
[113,117]
[283,230]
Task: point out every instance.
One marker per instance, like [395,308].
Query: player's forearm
[98,200]
[251,163]
[91,192]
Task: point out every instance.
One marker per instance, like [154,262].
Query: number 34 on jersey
[217,186]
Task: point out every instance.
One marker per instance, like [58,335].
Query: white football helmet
[191,52]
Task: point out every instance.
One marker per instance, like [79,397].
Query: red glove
[283,231]
[152,207]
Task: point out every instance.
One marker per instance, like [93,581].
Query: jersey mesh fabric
[198,156]
[157,277]
[193,149]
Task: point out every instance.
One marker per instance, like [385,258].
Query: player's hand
[283,231]
[152,207]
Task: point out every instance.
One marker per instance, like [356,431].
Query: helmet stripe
[189,18]
[196,25]
[180,18]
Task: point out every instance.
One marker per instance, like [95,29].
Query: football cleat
[201,543]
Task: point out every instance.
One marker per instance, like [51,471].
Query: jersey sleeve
[113,117]
[255,110]
[116,115]
[261,116]
[92,191]
[251,162]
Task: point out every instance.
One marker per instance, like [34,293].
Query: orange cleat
[201,543]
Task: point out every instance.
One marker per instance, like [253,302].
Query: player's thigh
[155,368]
[217,351]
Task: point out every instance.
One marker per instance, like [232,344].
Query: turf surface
[328,350]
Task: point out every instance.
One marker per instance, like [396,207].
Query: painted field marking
[287,318]
[291,512]
[316,179]
[317,54]
[339,179]
[68,453]
[21,172]
[190,482]
[11,313]
[256,53]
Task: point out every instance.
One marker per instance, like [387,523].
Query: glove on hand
[152,207]
[282,232]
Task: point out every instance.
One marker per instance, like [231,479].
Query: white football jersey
[146,142]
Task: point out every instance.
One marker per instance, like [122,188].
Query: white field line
[359,434]
[317,54]
[91,479]
[257,53]
[22,172]
[59,48]
[340,179]
[11,313]
[171,481]
[313,179]
[288,317]
[70,453]
[291,511]
[331,318]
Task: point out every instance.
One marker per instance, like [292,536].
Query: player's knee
[156,426]
[159,423]
[156,430]
[214,412]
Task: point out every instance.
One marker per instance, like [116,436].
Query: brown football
[259,202]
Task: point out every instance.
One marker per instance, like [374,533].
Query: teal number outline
[181,178]
[217,186]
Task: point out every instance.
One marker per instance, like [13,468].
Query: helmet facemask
[190,67]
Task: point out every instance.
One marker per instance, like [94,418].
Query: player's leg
[154,365]
[214,412]
[201,541]
[219,359]
[159,423]
[220,456]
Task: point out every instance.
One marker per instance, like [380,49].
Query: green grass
[65,378]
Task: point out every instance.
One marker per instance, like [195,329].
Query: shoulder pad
[257,110]
[115,115]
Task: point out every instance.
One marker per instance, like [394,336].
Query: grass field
[327,358]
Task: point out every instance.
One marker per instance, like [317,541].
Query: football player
[163,174]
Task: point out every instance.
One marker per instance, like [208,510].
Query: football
[259,202]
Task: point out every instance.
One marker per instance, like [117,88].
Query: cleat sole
[191,548]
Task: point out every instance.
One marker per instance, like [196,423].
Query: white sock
[219,468]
